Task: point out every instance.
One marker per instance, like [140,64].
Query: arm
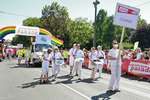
[45,59]
[111,58]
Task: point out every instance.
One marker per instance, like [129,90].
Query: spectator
[132,56]
[15,53]
[10,51]
[126,56]
[139,54]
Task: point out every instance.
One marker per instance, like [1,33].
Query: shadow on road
[33,84]
[104,96]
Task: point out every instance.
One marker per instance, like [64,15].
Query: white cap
[78,44]
[99,47]
[55,47]
[74,44]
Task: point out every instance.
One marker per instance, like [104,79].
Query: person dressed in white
[101,56]
[77,64]
[126,56]
[92,65]
[45,65]
[115,71]
[139,54]
[56,55]
[71,59]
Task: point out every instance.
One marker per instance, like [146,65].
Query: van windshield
[42,47]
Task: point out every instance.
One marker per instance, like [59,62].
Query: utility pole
[95,5]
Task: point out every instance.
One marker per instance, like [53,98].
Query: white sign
[126,16]
[43,39]
[27,31]
[140,68]
[59,61]
[19,45]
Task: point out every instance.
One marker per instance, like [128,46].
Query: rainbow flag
[40,59]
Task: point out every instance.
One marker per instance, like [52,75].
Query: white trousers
[115,78]
[100,67]
[77,65]
[56,69]
[71,61]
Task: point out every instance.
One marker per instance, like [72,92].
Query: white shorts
[45,69]
[27,58]
[19,57]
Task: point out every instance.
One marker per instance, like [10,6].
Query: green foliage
[142,35]
[81,31]
[56,20]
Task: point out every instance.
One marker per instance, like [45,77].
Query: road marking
[71,88]
[76,92]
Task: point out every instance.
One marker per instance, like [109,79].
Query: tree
[81,31]
[56,20]
[142,35]
[101,26]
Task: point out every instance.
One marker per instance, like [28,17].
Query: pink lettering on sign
[122,9]
[139,68]
[125,20]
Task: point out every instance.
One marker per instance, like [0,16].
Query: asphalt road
[20,83]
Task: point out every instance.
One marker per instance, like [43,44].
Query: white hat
[55,47]
[78,44]
[99,47]
[74,44]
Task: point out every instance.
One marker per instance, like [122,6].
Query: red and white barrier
[137,68]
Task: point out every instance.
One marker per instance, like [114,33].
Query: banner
[126,16]
[137,68]
[27,31]
[43,39]
[19,45]
[136,44]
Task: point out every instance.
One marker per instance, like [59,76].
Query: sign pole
[119,55]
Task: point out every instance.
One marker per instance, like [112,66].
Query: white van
[37,50]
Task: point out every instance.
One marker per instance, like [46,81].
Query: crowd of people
[97,59]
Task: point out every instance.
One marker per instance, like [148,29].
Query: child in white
[93,57]
[101,56]
[77,65]
[45,65]
[115,72]
[56,55]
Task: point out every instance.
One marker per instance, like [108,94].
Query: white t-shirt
[114,53]
[71,51]
[139,56]
[56,55]
[94,55]
[78,53]
[100,53]
[47,56]
[126,56]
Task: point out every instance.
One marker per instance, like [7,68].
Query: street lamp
[95,5]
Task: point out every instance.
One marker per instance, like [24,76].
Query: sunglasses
[114,43]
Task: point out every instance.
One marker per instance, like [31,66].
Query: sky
[76,8]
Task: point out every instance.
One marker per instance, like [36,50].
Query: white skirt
[91,66]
